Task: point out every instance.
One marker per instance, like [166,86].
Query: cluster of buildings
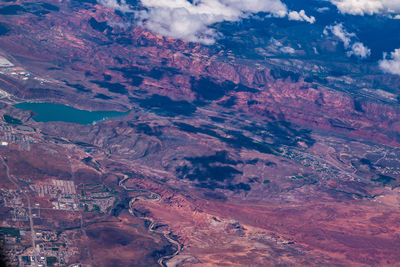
[42,245]
[62,194]
[9,69]
[97,198]
[19,135]
[51,248]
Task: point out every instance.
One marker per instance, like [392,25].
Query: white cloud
[356,49]
[323,9]
[275,43]
[338,31]
[180,23]
[368,7]
[278,46]
[391,64]
[301,16]
[191,20]
[287,50]
[275,7]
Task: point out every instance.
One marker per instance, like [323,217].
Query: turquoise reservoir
[45,112]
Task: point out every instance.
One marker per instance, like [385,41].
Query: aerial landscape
[199,133]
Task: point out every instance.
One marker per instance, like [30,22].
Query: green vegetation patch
[298,176]
[384,179]
[51,261]
[11,120]
[9,231]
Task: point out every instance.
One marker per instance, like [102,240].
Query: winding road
[151,196]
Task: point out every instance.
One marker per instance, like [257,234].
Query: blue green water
[45,112]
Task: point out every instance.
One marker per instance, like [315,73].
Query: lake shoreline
[49,112]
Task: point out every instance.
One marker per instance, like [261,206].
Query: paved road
[33,235]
